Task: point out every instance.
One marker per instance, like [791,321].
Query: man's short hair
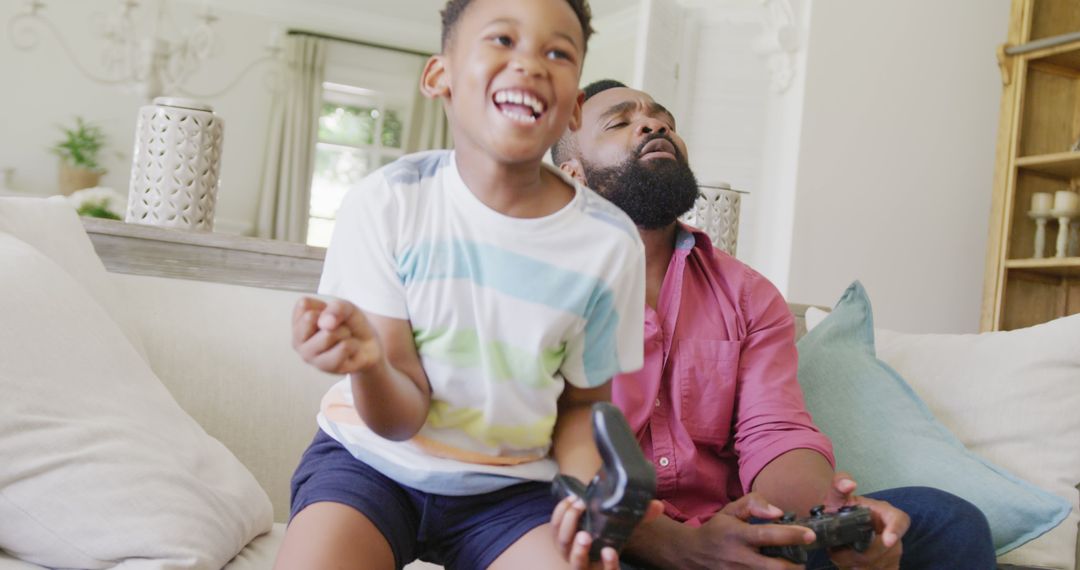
[455,8]
[563,149]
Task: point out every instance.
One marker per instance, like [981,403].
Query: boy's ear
[435,82]
[574,170]
[575,117]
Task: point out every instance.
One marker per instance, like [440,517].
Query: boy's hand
[335,337]
[574,544]
[890,524]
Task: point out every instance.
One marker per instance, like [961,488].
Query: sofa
[221,350]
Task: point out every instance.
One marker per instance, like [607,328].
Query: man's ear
[574,170]
[575,117]
[435,81]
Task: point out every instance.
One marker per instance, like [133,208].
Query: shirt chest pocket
[708,372]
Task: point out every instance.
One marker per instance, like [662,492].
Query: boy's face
[510,76]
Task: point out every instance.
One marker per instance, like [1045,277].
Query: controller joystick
[618,497]
[849,527]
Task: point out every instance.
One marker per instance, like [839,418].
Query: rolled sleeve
[771,414]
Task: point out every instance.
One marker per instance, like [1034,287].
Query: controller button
[788,518]
[847,508]
[818,511]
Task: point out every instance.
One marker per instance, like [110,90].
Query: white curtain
[289,159]
[428,126]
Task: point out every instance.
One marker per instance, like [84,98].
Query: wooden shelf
[1062,165]
[1066,56]
[1051,266]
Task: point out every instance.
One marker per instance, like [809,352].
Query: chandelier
[151,65]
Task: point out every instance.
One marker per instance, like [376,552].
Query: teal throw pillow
[886,437]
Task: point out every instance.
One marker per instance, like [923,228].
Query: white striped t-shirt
[503,311]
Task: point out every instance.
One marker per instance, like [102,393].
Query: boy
[485,302]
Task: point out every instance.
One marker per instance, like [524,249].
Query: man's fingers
[752,505]
[759,535]
[889,522]
[840,494]
[653,512]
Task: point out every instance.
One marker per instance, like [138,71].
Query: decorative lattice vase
[174,171]
[716,212]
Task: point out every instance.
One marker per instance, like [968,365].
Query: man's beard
[653,194]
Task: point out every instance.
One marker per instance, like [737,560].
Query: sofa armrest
[224,353]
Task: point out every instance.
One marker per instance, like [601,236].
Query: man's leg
[946,531]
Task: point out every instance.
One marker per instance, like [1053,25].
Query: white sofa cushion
[1011,397]
[52,227]
[224,353]
[100,466]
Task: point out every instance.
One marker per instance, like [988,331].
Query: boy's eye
[503,40]
[618,125]
[559,54]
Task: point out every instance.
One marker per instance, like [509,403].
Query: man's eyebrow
[617,109]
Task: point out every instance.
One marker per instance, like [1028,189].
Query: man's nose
[649,126]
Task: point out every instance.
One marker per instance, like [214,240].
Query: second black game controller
[618,497]
[849,527]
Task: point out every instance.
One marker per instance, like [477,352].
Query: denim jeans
[946,532]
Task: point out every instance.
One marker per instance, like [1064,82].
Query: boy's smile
[510,77]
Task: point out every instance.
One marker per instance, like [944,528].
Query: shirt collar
[689,237]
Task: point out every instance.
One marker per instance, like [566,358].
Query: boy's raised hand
[334,336]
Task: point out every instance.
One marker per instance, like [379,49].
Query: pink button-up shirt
[718,398]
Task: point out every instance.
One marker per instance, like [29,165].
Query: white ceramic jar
[176,164]
[716,212]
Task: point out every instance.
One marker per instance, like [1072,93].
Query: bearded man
[717,407]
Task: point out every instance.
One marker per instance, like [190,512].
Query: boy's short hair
[563,149]
[455,8]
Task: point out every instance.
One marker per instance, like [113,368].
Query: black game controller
[619,495]
[849,527]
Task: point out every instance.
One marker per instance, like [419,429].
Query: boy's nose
[527,65]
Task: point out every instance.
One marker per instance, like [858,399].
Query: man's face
[631,154]
[512,72]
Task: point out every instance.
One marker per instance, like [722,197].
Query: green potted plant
[79,151]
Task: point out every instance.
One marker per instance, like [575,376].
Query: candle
[1041,202]
[1066,202]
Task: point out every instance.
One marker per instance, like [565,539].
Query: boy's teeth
[520,98]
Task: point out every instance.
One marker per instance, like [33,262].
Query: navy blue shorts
[457,532]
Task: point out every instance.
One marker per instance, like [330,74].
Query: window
[360,130]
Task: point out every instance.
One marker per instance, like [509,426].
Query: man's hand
[564,521]
[890,524]
[727,540]
[334,336]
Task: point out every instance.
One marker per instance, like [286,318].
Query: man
[717,406]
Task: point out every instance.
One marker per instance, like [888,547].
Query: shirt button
[664,462]
[658,402]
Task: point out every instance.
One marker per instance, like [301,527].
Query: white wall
[896,157]
[50,91]
[42,89]
[740,129]
[611,48]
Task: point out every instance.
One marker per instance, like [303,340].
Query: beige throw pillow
[100,466]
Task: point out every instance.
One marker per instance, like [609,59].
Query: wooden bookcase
[1040,121]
